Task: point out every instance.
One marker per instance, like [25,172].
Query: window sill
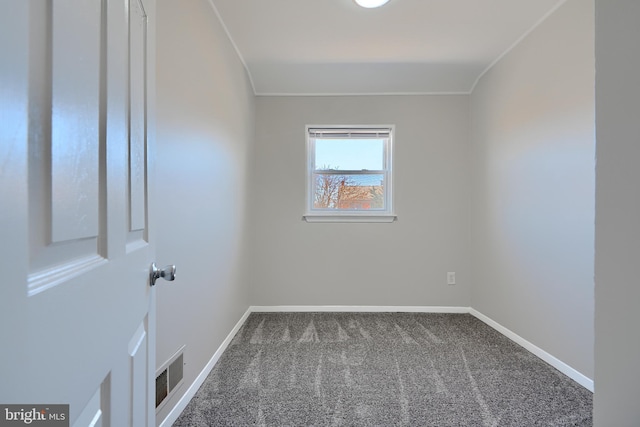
[349,218]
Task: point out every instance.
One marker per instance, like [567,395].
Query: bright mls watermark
[34,415]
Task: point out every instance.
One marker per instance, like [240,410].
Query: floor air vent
[169,378]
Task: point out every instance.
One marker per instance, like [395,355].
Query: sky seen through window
[349,154]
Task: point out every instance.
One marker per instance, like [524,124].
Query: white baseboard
[578,377]
[357,309]
[186,398]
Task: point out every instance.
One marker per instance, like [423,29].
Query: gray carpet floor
[382,369]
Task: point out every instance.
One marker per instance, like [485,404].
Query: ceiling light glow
[369,4]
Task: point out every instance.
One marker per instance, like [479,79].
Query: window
[349,174]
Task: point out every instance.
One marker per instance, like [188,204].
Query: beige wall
[403,263]
[533,192]
[205,132]
[617,350]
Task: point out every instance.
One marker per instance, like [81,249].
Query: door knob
[167,273]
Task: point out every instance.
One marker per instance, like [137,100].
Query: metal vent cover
[162,390]
[176,372]
[169,377]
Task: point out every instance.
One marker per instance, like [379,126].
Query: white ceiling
[296,47]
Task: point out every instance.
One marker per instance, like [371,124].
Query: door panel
[76,309]
[138,365]
[76,55]
[137,47]
[64,186]
[94,413]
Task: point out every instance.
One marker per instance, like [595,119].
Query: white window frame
[350,215]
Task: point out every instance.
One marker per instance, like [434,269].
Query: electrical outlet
[451,278]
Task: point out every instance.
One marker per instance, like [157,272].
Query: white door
[76,135]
